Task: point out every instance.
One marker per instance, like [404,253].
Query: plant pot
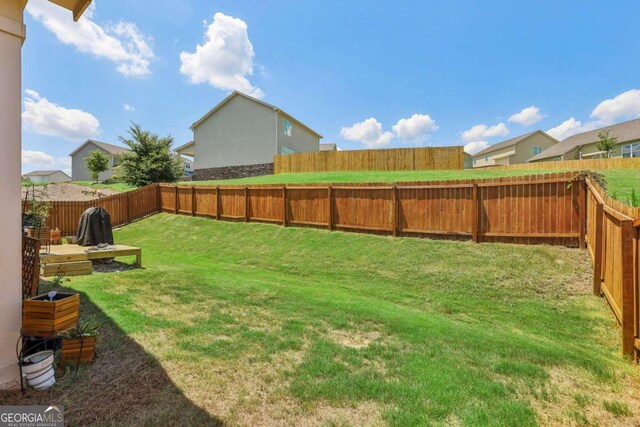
[44,318]
[38,368]
[75,350]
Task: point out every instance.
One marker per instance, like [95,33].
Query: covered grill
[94,228]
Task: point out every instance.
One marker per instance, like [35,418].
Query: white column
[12,34]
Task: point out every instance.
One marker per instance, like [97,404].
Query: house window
[537,150]
[285,150]
[187,166]
[486,157]
[474,161]
[631,150]
[286,127]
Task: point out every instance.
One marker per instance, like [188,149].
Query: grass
[263,325]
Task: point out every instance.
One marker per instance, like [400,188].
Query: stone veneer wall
[230,172]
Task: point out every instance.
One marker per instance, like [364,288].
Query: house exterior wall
[79,170]
[242,132]
[523,151]
[12,33]
[574,154]
[300,141]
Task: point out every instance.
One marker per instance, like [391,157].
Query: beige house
[328,147]
[240,136]
[47,177]
[79,170]
[585,145]
[12,36]
[515,150]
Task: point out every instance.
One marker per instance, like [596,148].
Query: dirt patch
[67,191]
[354,338]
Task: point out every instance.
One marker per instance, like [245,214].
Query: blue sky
[361,73]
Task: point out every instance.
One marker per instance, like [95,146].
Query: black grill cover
[94,228]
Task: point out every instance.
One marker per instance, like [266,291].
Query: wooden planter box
[44,234]
[44,318]
[71,350]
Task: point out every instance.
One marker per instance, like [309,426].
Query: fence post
[176,198]
[218,203]
[159,198]
[395,211]
[597,249]
[475,212]
[129,207]
[330,216]
[246,204]
[284,206]
[582,217]
[193,201]
[628,317]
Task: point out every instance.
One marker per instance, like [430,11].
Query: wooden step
[75,268]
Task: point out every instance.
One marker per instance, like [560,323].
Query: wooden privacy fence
[123,208]
[585,164]
[534,209]
[396,159]
[613,242]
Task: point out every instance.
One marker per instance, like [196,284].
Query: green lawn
[259,325]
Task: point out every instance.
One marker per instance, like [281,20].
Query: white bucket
[38,368]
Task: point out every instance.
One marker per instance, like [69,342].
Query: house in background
[468,160]
[515,150]
[240,136]
[47,176]
[79,171]
[328,147]
[585,145]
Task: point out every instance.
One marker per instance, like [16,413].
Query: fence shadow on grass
[124,386]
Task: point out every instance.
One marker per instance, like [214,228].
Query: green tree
[606,142]
[150,159]
[97,162]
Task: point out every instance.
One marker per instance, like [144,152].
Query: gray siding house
[240,136]
[79,171]
[47,176]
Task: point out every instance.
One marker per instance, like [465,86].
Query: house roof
[109,148]
[273,107]
[328,147]
[43,173]
[625,131]
[183,147]
[508,143]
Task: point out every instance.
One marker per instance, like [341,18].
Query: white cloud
[37,158]
[47,118]
[121,43]
[67,171]
[225,59]
[527,116]
[624,106]
[571,127]
[481,132]
[64,160]
[368,132]
[128,107]
[475,146]
[415,129]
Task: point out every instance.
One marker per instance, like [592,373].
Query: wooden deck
[60,254]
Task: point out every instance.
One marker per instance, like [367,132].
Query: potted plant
[79,344]
[36,215]
[51,314]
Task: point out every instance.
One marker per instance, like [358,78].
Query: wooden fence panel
[363,208]
[232,203]
[266,204]
[185,201]
[422,158]
[206,201]
[167,198]
[308,206]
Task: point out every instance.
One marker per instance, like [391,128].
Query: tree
[97,162]
[150,159]
[607,143]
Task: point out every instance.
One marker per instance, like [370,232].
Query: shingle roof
[109,148]
[273,107]
[625,131]
[41,173]
[507,143]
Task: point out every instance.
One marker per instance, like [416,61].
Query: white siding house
[79,171]
[47,177]
[240,136]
